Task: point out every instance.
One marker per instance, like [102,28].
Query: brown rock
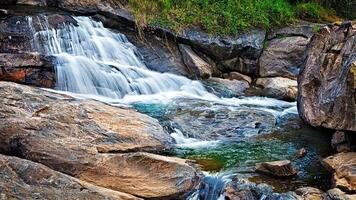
[340,142]
[278,87]
[238,76]
[343,165]
[27,68]
[79,138]
[310,193]
[337,194]
[242,65]
[23,179]
[282,168]
[326,95]
[302,152]
[195,64]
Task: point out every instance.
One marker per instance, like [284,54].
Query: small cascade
[94,60]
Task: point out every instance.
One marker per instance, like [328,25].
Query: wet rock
[196,65]
[24,179]
[278,87]
[236,87]
[337,194]
[205,121]
[247,45]
[27,68]
[282,168]
[326,88]
[343,166]
[37,2]
[340,142]
[244,190]
[310,193]
[302,152]
[283,57]
[237,76]
[91,141]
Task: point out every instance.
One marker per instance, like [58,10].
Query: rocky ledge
[106,146]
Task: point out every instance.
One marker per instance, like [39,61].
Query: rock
[23,179]
[283,57]
[242,65]
[310,193]
[196,65]
[91,141]
[302,152]
[92,6]
[37,2]
[237,76]
[244,190]
[326,96]
[278,87]
[337,194]
[302,29]
[247,45]
[202,120]
[236,87]
[340,142]
[27,68]
[282,168]
[343,165]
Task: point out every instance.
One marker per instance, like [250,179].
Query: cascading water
[92,59]
[97,62]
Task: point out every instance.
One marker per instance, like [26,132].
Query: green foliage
[225,17]
[229,17]
[315,12]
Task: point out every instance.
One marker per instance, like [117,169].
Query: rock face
[343,165]
[27,68]
[285,51]
[282,168]
[247,45]
[91,141]
[326,87]
[196,65]
[278,87]
[23,179]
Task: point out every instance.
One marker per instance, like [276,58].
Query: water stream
[95,62]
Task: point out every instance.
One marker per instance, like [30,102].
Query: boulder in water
[282,168]
[326,88]
[238,76]
[234,87]
[343,165]
[91,141]
[278,87]
[24,179]
[337,194]
[310,193]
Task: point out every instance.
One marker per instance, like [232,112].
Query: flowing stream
[95,62]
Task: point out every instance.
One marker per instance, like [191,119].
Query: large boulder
[343,165]
[326,90]
[285,51]
[278,87]
[233,87]
[91,141]
[24,179]
[283,168]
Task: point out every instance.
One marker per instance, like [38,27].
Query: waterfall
[94,60]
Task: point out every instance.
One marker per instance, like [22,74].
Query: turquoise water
[238,157]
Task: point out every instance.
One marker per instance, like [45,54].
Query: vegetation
[228,17]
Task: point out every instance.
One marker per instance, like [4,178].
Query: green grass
[225,17]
